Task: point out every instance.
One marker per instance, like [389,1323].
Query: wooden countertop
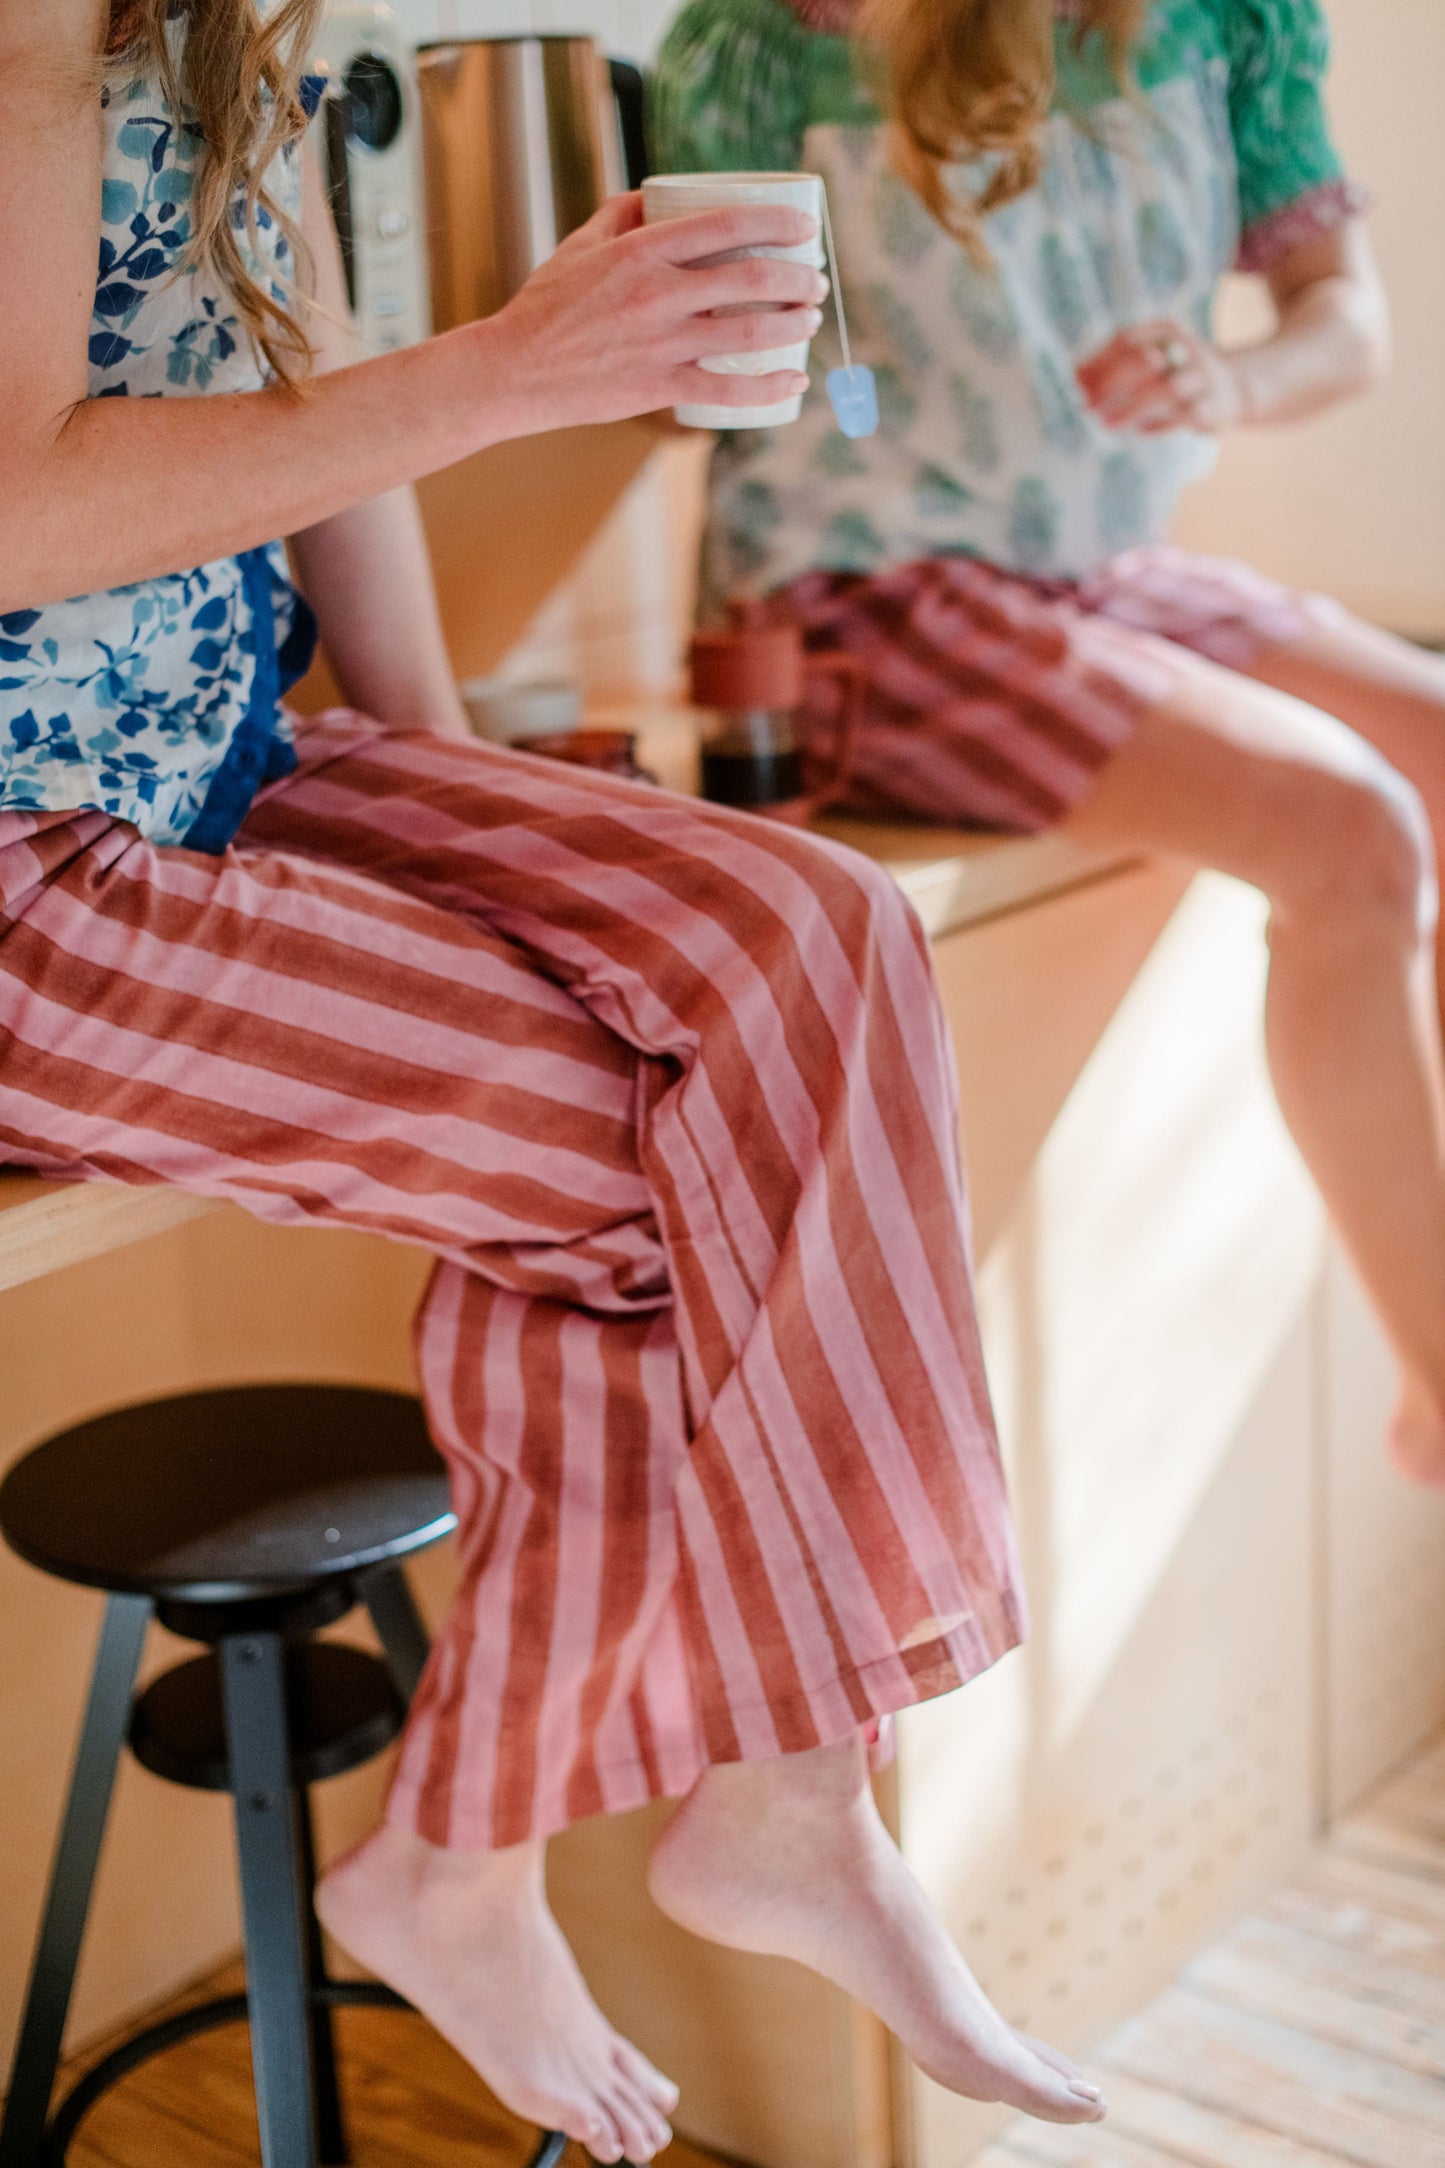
[953,878]
[46,1225]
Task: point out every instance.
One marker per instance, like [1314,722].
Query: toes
[1025,2080]
[643,2131]
[600,2135]
[1061,2063]
[646,2077]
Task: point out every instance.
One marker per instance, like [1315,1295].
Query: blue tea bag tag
[851,390]
[854,396]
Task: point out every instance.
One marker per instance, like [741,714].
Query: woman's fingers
[1158,377]
[1130,376]
[1136,339]
[747,334]
[752,279]
[742,225]
[692,386]
[617,216]
[1101,370]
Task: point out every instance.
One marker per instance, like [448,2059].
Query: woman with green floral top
[1034,206]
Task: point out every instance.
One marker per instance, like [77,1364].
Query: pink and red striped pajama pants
[667,1092]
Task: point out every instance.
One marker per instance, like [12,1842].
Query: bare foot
[1417,1437]
[789,1857]
[468,1937]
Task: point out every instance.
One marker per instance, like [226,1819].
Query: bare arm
[95,493]
[1331,340]
[366,571]
[1332,335]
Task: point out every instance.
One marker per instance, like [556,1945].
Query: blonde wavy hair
[964,77]
[240,77]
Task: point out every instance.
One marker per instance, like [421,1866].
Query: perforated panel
[1093,1811]
[1077,1916]
[1384,1562]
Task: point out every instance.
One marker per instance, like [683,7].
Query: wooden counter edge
[45,1226]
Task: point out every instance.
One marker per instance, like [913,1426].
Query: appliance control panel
[371,141]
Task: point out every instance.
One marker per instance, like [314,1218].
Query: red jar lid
[747,666]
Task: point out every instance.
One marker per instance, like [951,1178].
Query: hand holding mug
[1161,376]
[620,319]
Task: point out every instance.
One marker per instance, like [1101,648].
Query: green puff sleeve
[731,90]
[1292,186]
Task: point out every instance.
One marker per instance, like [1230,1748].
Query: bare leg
[1243,777]
[469,1938]
[1391,693]
[788,1857]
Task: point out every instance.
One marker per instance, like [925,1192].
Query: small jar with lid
[749,680]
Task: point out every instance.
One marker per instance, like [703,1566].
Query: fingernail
[1085,2092]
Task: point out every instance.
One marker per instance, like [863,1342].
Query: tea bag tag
[854,397]
[852,392]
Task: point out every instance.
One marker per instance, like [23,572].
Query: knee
[863,903]
[1366,855]
[852,891]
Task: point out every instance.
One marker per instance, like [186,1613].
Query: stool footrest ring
[170,2032]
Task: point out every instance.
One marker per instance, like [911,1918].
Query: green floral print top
[986,446]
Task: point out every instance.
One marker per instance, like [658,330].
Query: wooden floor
[411,2103]
[1312,2036]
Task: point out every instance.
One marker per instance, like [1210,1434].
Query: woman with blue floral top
[1034,204]
[663,1089]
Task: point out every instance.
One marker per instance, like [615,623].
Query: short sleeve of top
[738,83]
[1292,185]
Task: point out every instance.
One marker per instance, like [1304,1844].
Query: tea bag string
[841,312]
[852,390]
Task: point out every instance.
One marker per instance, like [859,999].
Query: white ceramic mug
[684,195]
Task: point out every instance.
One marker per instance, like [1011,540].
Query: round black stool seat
[342,1709]
[219,1496]
[247,1519]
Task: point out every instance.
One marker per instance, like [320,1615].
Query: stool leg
[331,2146]
[399,1626]
[72,1876]
[273,1897]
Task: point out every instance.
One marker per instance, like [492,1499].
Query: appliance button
[392,223]
[387,305]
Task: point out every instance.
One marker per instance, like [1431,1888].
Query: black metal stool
[245,1520]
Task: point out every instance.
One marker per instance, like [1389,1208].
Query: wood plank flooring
[1311,2036]
[410,2103]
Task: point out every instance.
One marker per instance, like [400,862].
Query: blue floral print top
[159,702]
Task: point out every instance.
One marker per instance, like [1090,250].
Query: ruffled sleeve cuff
[1308,218]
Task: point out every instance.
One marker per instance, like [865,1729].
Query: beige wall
[1355,503]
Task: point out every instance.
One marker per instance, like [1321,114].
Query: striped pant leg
[559,1686]
[324,1049]
[836,1530]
